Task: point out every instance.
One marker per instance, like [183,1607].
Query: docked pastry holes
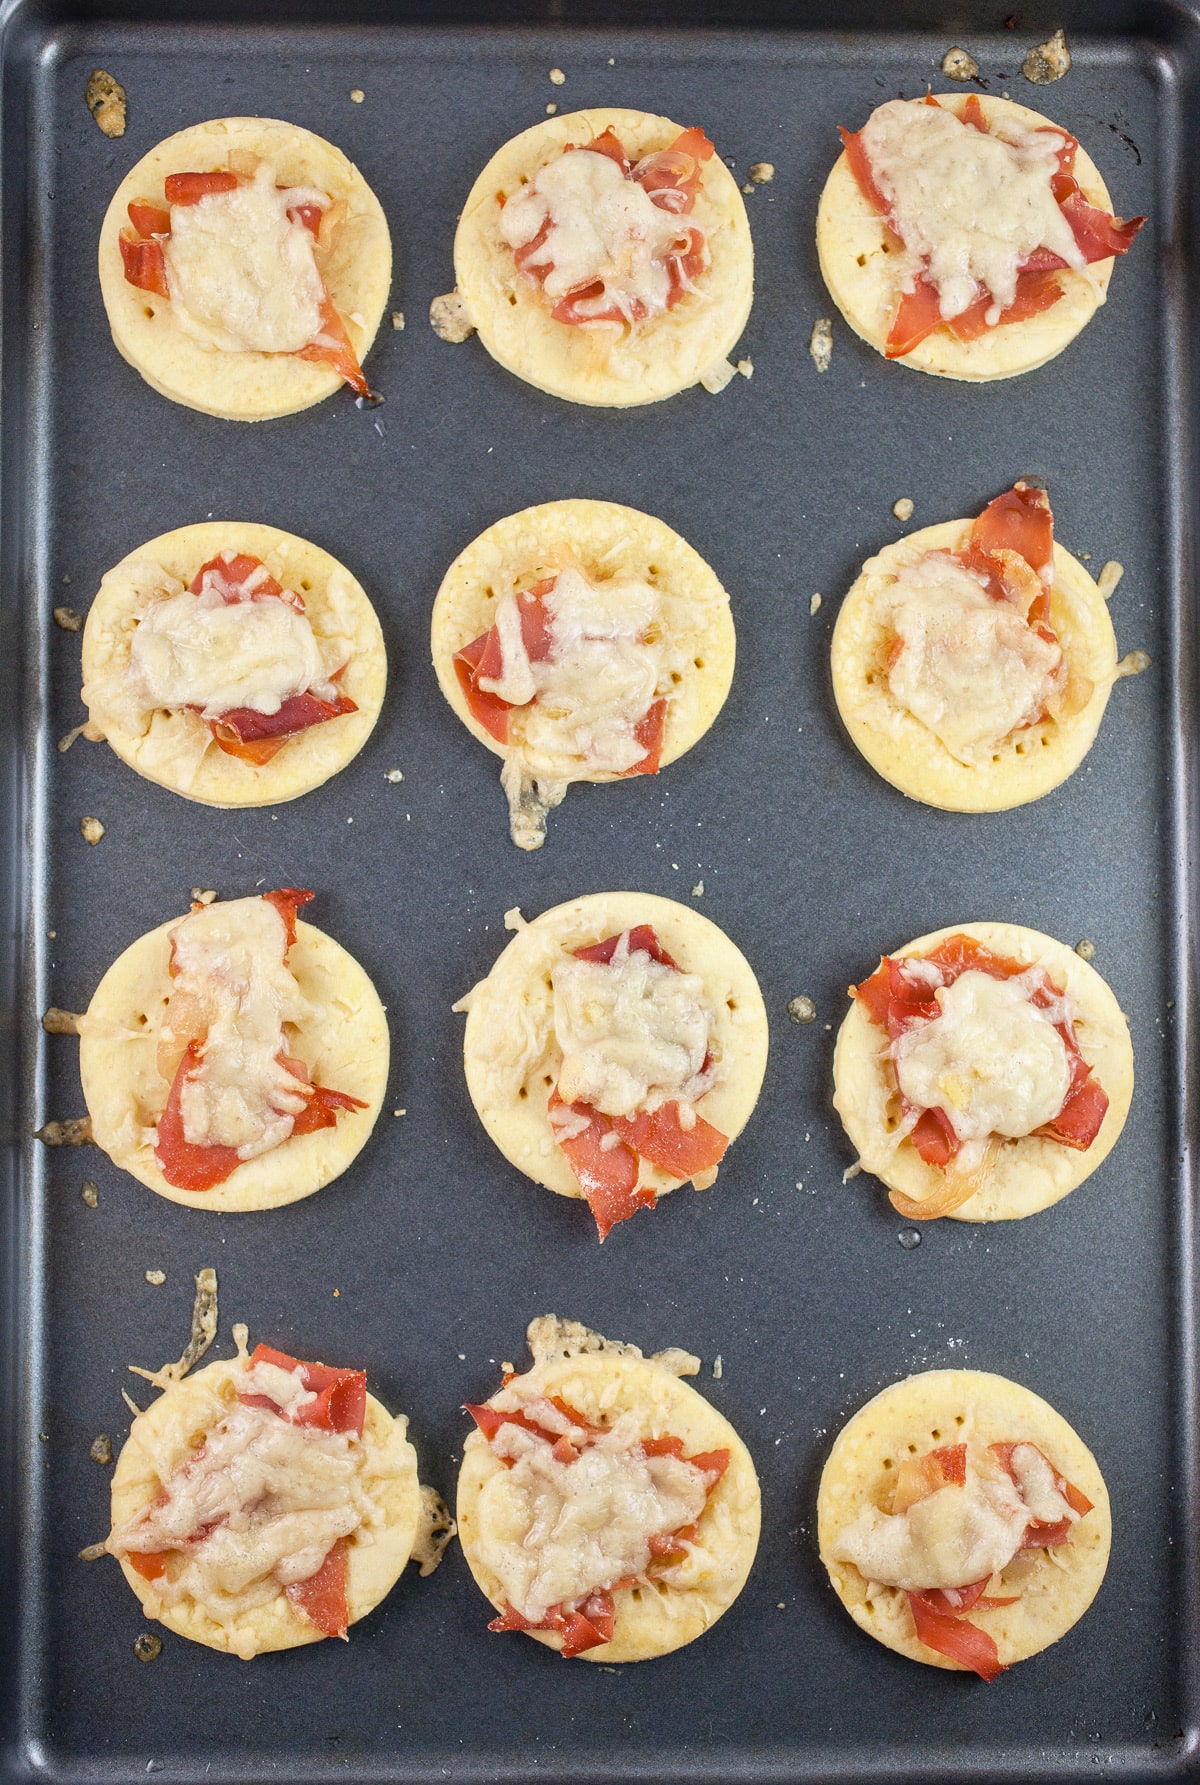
[343,1041]
[174,747]
[173,1427]
[1024,1175]
[1025,764]
[652,1616]
[512,1057]
[1053,1587]
[608,545]
[864,272]
[605,363]
[353,256]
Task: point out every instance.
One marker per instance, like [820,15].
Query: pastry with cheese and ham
[605,257]
[615,1050]
[967,235]
[982,1072]
[245,264]
[963,1522]
[264,1503]
[235,1058]
[581,641]
[233,663]
[604,1507]
[973,660]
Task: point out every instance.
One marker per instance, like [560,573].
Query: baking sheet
[426,1260]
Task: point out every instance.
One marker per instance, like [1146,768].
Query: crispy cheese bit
[580,1511]
[265,1505]
[106,101]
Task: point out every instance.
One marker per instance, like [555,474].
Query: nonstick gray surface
[427,1259]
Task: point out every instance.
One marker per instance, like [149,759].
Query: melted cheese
[1038,1488]
[993,1061]
[969,206]
[199,651]
[607,659]
[634,1034]
[554,1532]
[233,985]
[603,228]
[952,1538]
[243,276]
[257,1507]
[969,667]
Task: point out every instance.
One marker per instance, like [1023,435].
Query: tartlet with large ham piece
[264,1502]
[235,1058]
[615,1050]
[233,663]
[605,257]
[967,235]
[963,1522]
[245,264]
[973,660]
[581,641]
[982,1072]
[604,1507]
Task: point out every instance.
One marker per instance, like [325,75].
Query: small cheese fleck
[903,507]
[718,376]
[357,95]
[718,1367]
[448,317]
[105,97]
[814,605]
[68,619]
[91,829]
[551,108]
[820,345]
[101,1450]
[158,1278]
[90,1193]
[394,775]
[557,76]
[203,895]
[1047,61]
[698,890]
[1085,949]
[802,1009]
[761,172]
[397,319]
[746,368]
[957,65]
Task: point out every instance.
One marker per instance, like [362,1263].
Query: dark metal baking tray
[440,1252]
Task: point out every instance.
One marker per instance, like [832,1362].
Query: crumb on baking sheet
[92,1552]
[90,1193]
[959,65]
[820,343]
[762,172]
[68,619]
[76,1131]
[1047,62]
[68,737]
[1131,664]
[399,1112]
[718,1367]
[157,1278]
[101,1450]
[60,1022]
[557,76]
[903,507]
[1109,577]
[204,1331]
[746,368]
[448,317]
[698,890]
[551,108]
[394,775]
[357,96]
[801,1009]
[203,895]
[1085,950]
[91,830]
[397,319]
[147,1647]
[106,101]
[814,604]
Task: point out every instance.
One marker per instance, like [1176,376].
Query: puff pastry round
[610,365]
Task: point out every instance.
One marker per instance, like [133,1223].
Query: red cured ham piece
[309,215]
[895,1001]
[661,1138]
[671,178]
[483,657]
[1018,521]
[333,347]
[341,1402]
[230,576]
[1098,235]
[151,1564]
[188,1166]
[952,1636]
[608,1176]
[144,264]
[257,737]
[642,940]
[586,1628]
[189,189]
[490,1419]
[322,1597]
[148,219]
[649,733]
